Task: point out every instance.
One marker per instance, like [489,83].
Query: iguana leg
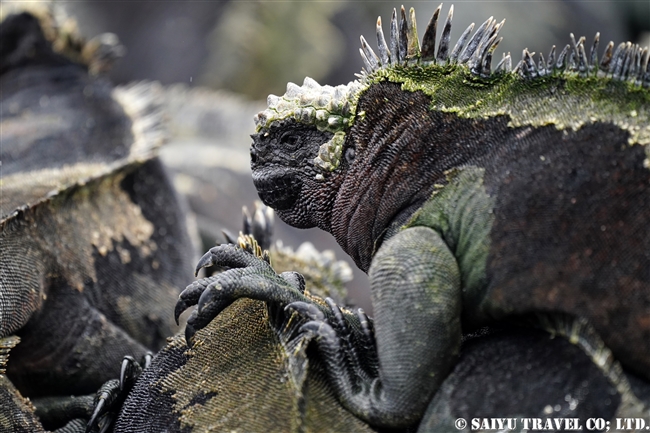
[55,412]
[89,349]
[95,413]
[417,299]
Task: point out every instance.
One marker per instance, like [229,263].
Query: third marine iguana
[471,196]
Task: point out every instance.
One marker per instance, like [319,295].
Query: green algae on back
[564,100]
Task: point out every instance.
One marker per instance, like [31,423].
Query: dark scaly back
[570,232]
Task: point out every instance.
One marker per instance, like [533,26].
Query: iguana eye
[290,140]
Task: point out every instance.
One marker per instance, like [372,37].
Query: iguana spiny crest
[404,60]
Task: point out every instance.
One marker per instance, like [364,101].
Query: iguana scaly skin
[469,196]
[93,244]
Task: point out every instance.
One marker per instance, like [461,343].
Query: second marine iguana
[247,371]
[470,196]
[93,237]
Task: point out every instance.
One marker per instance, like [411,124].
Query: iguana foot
[90,413]
[345,340]
[248,274]
[111,395]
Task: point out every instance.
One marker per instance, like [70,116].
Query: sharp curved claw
[206,260]
[107,425]
[323,332]
[96,413]
[189,335]
[126,362]
[305,309]
[146,359]
[178,310]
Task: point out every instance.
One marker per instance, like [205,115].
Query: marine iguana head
[357,159]
[298,148]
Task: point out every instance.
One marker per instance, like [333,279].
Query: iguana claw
[126,370]
[306,309]
[205,261]
[131,370]
[104,401]
[190,331]
[179,308]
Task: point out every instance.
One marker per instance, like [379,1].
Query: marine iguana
[94,243]
[470,196]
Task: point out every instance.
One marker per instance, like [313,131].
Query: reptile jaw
[277,188]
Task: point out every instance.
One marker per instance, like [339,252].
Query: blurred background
[220,60]
[255,47]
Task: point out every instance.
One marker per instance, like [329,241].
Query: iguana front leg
[417,299]
[249,275]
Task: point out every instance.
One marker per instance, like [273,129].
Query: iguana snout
[277,187]
[286,175]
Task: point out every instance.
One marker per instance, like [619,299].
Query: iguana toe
[324,333]
[104,403]
[191,295]
[131,370]
[307,310]
[231,256]
[213,300]
[190,330]
[204,262]
[179,308]
[110,397]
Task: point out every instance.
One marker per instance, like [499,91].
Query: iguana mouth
[277,188]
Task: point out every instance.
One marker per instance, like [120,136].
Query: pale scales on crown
[333,109]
